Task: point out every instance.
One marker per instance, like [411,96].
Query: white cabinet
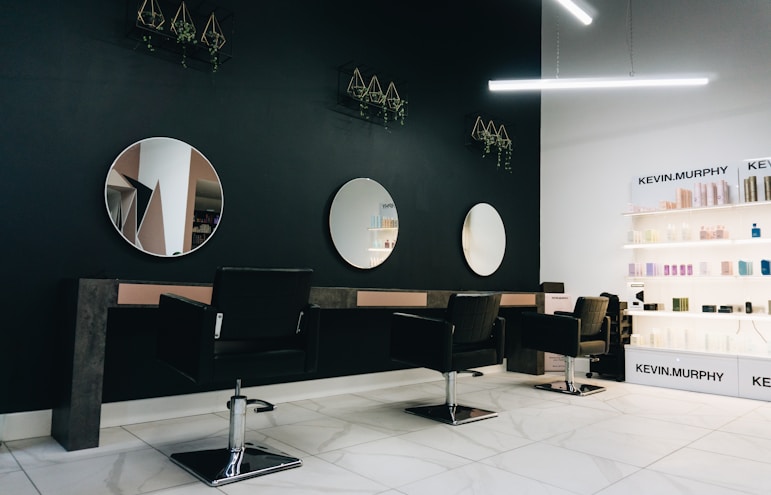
[705,258]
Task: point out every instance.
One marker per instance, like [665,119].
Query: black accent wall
[75,91]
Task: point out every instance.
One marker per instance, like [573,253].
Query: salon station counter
[88,304]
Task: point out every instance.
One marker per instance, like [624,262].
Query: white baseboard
[18,426]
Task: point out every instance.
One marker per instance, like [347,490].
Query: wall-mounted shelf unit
[721,353]
[150,23]
[490,137]
[372,95]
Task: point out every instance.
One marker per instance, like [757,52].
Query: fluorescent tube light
[577,11]
[605,83]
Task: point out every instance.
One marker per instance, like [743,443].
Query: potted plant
[395,103]
[504,146]
[213,38]
[182,25]
[150,16]
[356,88]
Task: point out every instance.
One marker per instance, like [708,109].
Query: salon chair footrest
[571,388]
[451,415]
[218,467]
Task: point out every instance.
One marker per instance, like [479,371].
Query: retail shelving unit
[700,259]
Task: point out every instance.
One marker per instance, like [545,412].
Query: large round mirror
[483,239]
[363,223]
[163,196]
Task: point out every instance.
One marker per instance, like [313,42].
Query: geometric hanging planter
[375,93]
[151,17]
[183,28]
[150,14]
[356,87]
[213,38]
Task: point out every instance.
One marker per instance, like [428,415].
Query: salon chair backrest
[473,316]
[272,300]
[591,311]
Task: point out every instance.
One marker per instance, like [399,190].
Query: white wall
[593,143]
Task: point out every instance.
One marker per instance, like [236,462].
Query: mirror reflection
[363,223]
[163,196]
[483,239]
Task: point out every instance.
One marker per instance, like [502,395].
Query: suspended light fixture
[595,83]
[577,11]
[592,83]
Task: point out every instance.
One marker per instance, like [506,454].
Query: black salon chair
[583,332]
[468,336]
[258,326]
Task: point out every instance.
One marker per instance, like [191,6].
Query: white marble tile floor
[628,440]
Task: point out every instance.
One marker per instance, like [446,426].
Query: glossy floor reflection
[627,440]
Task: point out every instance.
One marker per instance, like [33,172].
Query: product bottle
[755,230]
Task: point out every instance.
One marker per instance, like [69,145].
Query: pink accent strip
[524,299]
[391,299]
[151,293]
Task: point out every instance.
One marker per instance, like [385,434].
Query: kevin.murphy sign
[682,370]
[695,187]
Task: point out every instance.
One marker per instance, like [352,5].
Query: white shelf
[696,278]
[691,352]
[692,210]
[700,244]
[693,314]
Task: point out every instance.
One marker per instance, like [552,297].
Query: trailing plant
[214,39]
[182,25]
[150,16]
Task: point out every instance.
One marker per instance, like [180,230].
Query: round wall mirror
[483,239]
[363,223]
[163,196]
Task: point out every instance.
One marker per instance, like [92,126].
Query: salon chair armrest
[551,333]
[186,336]
[604,334]
[310,326]
[498,336]
[421,341]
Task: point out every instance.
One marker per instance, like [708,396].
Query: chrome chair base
[571,388]
[451,415]
[217,467]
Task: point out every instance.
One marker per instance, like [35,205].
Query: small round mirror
[163,197]
[363,223]
[483,239]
